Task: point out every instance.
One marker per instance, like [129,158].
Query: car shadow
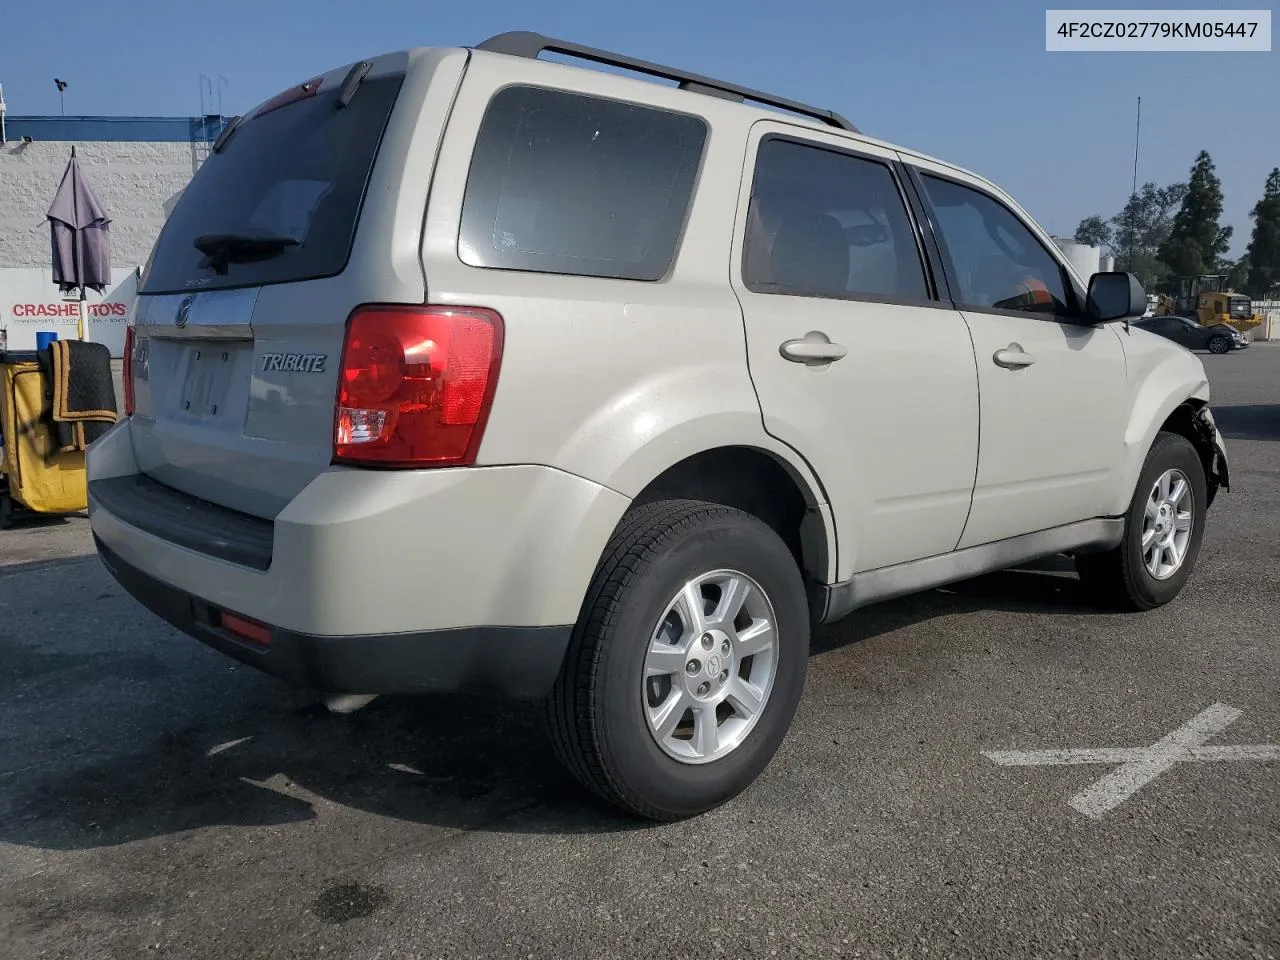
[160,736]
[1248,421]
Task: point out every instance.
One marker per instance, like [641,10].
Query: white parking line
[1141,765]
[405,768]
[214,751]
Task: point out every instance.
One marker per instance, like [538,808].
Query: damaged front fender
[1213,451]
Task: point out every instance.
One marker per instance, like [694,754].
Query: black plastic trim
[227,133]
[521,43]
[352,82]
[184,520]
[832,602]
[922,218]
[1217,472]
[514,662]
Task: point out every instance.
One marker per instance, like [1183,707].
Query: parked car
[1218,338]
[459,369]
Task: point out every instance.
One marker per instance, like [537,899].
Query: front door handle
[814,348]
[1013,357]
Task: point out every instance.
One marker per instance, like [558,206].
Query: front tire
[1162,533]
[687,663]
[1219,345]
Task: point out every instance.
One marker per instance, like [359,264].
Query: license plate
[207,382]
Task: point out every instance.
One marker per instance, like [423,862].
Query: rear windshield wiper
[225,248]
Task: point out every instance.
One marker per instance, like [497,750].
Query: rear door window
[294,176]
[824,223]
[567,183]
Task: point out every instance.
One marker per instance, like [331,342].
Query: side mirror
[1115,296]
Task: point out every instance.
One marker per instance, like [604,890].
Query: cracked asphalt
[158,800]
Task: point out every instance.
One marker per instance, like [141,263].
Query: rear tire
[1141,573]
[1220,345]
[631,662]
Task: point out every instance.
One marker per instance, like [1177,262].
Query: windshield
[294,176]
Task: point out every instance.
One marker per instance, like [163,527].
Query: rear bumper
[516,662]
[370,581]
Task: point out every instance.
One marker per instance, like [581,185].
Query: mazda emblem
[184,311]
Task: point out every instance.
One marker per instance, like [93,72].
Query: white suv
[461,369]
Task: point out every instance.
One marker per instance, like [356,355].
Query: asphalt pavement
[157,799]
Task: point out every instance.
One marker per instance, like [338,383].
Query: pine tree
[1197,242]
[1094,231]
[1264,247]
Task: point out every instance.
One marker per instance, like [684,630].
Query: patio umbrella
[81,247]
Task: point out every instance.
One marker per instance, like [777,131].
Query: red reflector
[128,371]
[245,628]
[416,385]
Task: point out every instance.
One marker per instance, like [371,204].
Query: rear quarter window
[573,184]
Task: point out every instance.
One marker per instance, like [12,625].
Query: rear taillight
[128,371]
[416,384]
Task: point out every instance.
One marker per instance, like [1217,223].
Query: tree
[1136,232]
[1236,272]
[1264,246]
[1196,240]
[1094,231]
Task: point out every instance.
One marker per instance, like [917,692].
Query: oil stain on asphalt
[349,901]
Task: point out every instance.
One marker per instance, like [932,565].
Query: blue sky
[968,82]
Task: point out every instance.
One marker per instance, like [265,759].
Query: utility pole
[1133,194]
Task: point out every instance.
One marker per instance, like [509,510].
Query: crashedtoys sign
[30,303]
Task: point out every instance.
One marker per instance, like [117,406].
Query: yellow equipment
[33,472]
[1207,299]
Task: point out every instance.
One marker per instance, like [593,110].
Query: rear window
[298,172]
[574,184]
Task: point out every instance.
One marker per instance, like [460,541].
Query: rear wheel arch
[763,484]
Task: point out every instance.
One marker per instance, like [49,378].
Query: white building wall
[1086,260]
[136,183]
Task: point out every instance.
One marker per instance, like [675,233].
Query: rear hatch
[241,313]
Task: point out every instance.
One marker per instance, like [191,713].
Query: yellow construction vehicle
[1207,299]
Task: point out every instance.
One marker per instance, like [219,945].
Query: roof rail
[521,43]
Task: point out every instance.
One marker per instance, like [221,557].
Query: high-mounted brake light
[285,97]
[416,385]
[128,370]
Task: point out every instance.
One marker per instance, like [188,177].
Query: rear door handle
[1013,357]
[814,348]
